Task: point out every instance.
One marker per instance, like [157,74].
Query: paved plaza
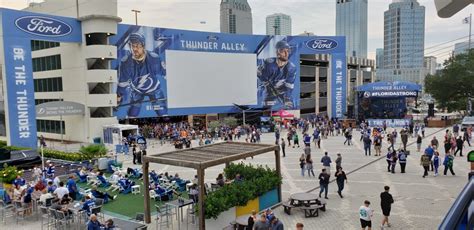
[420,203]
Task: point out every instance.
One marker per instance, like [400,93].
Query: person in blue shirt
[430,152]
[72,187]
[436,163]
[277,78]
[51,187]
[88,205]
[19,181]
[50,170]
[142,74]
[307,139]
[326,160]
[93,223]
[316,138]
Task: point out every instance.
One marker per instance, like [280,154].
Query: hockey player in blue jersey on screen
[142,73]
[277,76]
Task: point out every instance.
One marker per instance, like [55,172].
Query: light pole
[136,16]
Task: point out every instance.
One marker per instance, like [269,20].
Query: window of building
[40,45]
[41,101]
[50,126]
[54,84]
[46,63]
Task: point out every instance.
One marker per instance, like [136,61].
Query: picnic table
[302,198]
[308,202]
[126,224]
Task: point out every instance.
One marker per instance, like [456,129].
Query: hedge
[3,144]
[85,153]
[256,181]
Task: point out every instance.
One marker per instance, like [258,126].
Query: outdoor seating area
[308,202]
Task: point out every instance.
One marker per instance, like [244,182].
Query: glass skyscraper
[236,17]
[278,24]
[351,21]
[404,41]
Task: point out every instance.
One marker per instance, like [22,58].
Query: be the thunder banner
[149,79]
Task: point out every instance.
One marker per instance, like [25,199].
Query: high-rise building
[461,47]
[278,24]
[351,21]
[430,65]
[379,58]
[404,41]
[236,17]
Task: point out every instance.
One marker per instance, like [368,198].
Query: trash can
[97,140]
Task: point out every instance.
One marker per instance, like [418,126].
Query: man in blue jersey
[278,76]
[142,73]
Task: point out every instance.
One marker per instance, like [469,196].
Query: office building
[379,58]
[278,24]
[404,41]
[236,17]
[461,47]
[430,65]
[351,21]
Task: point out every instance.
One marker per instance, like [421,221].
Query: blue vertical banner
[338,85]
[20,92]
[18,29]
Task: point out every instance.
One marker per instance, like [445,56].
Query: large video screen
[191,79]
[168,72]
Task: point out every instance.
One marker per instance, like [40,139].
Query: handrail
[460,208]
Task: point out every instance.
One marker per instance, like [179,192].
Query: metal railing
[459,216]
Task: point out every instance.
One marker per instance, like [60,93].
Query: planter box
[258,204]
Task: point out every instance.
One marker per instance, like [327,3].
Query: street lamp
[136,16]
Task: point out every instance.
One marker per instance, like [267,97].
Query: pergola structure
[204,157]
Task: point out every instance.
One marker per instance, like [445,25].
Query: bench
[311,211]
[287,207]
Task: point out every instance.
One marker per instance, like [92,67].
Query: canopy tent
[282,114]
[388,89]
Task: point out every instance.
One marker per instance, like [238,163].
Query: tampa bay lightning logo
[146,84]
[321,44]
[43,26]
[366,94]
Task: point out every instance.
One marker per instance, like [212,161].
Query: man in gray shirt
[262,223]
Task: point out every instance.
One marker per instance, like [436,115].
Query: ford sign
[43,26]
[321,44]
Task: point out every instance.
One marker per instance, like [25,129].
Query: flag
[466,20]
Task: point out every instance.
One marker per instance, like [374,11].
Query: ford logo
[321,44]
[43,26]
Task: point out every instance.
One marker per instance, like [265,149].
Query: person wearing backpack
[402,159]
[448,164]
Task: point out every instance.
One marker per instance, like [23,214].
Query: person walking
[296,140]
[430,151]
[436,162]
[402,159]
[448,164]
[340,178]
[386,201]
[317,138]
[302,164]
[365,215]
[418,142]
[324,183]
[404,137]
[338,161]
[309,165]
[277,136]
[394,161]
[389,160]
[289,137]
[326,160]
[425,162]
[367,144]
[459,145]
[378,145]
[283,147]
[466,138]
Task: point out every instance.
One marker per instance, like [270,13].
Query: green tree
[454,84]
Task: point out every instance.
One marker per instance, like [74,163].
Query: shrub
[256,181]
[85,153]
[93,151]
[9,173]
[3,144]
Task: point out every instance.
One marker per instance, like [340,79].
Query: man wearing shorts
[386,201]
[365,215]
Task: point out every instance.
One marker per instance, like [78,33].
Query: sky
[317,16]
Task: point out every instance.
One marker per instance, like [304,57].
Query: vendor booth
[386,102]
[113,134]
